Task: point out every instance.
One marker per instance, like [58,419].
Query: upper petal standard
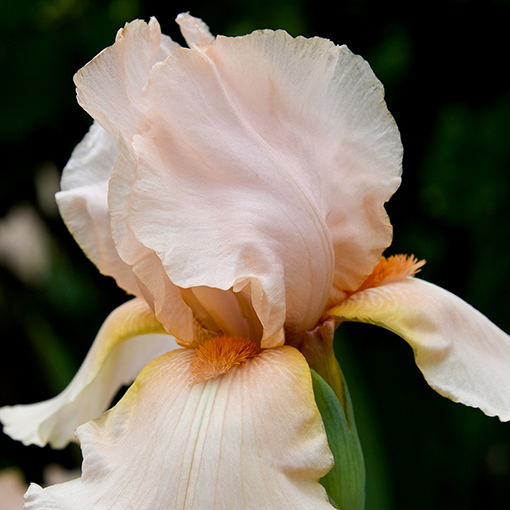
[247,212]
[274,163]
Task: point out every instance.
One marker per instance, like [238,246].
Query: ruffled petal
[283,147]
[129,339]
[246,216]
[285,152]
[109,87]
[83,204]
[461,353]
[120,71]
[250,439]
[320,110]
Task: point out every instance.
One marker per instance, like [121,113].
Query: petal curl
[83,204]
[109,87]
[120,71]
[250,439]
[194,30]
[129,339]
[461,353]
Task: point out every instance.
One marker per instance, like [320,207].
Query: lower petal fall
[250,439]
[461,353]
[129,339]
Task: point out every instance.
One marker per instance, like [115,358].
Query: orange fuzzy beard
[391,269]
[218,355]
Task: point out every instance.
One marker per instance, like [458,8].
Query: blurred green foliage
[443,67]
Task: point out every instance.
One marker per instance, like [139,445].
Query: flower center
[218,355]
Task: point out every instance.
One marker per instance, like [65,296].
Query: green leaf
[345,483]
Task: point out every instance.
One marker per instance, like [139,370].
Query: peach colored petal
[83,200]
[461,353]
[284,150]
[320,109]
[250,439]
[130,338]
[109,87]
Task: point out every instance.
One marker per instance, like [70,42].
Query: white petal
[126,342]
[83,204]
[91,161]
[461,353]
[250,439]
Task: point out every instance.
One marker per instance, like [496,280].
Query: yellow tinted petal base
[250,439]
[129,339]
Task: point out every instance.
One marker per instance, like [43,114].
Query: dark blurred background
[443,64]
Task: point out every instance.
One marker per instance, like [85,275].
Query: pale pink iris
[237,189]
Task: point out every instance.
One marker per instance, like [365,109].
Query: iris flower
[236,188]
